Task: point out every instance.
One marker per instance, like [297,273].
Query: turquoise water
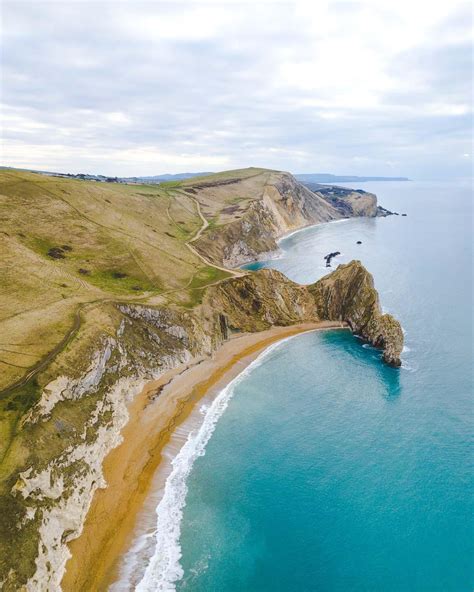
[329,471]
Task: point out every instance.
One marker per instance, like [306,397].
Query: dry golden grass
[66,242]
[116,241]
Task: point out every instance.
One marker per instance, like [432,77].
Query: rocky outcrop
[348,294]
[267,297]
[349,202]
[328,258]
[283,206]
[383,212]
[260,300]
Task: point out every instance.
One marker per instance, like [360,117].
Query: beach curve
[129,469]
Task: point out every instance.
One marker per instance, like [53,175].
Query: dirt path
[50,356]
[198,234]
[205,223]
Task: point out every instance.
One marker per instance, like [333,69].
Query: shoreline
[278,254]
[129,469]
[308,226]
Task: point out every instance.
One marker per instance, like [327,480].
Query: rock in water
[330,256]
[359,242]
[348,294]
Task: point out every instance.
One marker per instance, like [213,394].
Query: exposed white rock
[96,370]
[63,387]
[177,331]
[64,520]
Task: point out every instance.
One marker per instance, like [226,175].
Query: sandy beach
[129,469]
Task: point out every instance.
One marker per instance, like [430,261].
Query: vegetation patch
[208,275]
[203,278]
[170,185]
[56,253]
[117,281]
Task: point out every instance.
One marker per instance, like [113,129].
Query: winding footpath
[198,234]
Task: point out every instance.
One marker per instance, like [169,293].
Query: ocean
[322,469]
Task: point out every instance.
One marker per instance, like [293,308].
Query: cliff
[78,417]
[267,298]
[348,294]
[53,466]
[280,206]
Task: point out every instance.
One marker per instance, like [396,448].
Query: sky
[373,87]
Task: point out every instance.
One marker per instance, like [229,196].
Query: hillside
[66,242]
[242,229]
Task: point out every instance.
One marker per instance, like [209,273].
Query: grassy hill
[66,242]
[68,245]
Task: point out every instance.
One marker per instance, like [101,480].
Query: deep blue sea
[321,469]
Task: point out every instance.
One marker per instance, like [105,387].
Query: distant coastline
[167,178]
[329,178]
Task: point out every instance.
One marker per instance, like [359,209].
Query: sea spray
[164,568]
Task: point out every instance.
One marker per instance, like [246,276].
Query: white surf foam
[409,367]
[164,568]
[311,227]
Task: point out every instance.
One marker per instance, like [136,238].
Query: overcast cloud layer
[376,87]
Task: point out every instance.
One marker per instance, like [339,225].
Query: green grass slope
[66,242]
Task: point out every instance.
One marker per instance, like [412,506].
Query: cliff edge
[267,297]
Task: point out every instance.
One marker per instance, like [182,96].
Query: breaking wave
[164,568]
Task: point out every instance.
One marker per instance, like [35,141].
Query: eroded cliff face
[76,422]
[261,300]
[284,205]
[349,294]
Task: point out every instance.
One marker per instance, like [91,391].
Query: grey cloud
[72,67]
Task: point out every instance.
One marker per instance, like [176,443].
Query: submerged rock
[383,212]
